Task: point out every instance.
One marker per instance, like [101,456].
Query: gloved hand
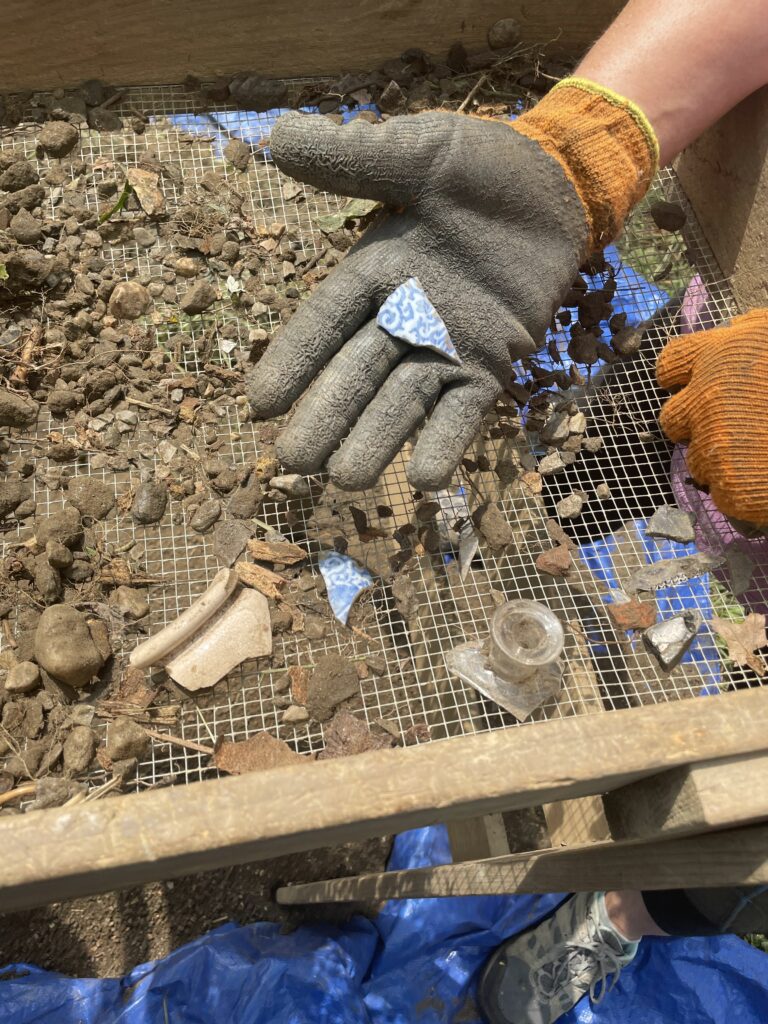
[722,411]
[494,220]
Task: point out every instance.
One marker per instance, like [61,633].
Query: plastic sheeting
[415,963]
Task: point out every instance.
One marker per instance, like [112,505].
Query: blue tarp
[415,963]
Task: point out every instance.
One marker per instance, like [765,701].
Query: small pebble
[22,678]
[294,715]
[570,506]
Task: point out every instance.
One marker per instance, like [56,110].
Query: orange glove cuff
[605,145]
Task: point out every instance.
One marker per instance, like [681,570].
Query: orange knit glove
[722,411]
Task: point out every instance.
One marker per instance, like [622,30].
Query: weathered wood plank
[131,42]
[718,794]
[478,838]
[725,176]
[163,833]
[736,857]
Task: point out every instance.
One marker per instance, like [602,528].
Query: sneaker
[540,974]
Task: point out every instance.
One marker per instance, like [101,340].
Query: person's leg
[629,914]
[708,911]
[537,976]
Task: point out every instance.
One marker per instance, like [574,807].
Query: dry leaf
[260,578]
[743,639]
[283,553]
[188,409]
[256,754]
[145,185]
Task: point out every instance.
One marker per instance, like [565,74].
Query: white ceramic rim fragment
[158,647]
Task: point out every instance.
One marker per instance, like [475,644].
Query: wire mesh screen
[399,638]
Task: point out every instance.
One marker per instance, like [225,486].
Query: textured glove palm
[721,410]
[493,230]
[493,220]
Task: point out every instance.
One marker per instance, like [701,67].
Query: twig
[113,100]
[96,794]
[166,737]
[151,406]
[28,789]
[28,353]
[472,93]
[359,632]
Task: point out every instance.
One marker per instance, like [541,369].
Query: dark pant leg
[737,911]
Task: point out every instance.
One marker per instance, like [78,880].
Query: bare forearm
[684,62]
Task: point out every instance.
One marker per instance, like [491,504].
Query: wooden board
[478,838]
[725,176]
[737,857]
[575,822]
[719,794]
[163,833]
[131,42]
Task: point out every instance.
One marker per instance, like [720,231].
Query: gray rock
[63,526]
[187,266]
[91,496]
[504,33]
[23,677]
[199,298]
[592,444]
[47,580]
[79,749]
[238,153]
[12,494]
[64,646]
[672,523]
[229,539]
[245,502]
[125,739]
[54,791]
[104,119]
[295,715]
[551,463]
[129,300]
[570,506]
[669,639]
[144,238]
[740,569]
[25,199]
[555,430]
[16,411]
[149,502]
[291,484]
[205,515]
[60,401]
[18,176]
[132,603]
[59,556]
[25,228]
[58,138]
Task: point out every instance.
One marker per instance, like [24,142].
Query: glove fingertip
[430,473]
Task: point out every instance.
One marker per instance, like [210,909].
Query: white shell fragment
[223,628]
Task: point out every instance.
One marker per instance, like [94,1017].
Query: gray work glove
[494,231]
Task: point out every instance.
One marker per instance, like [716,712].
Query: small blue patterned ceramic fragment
[345,580]
[409,315]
